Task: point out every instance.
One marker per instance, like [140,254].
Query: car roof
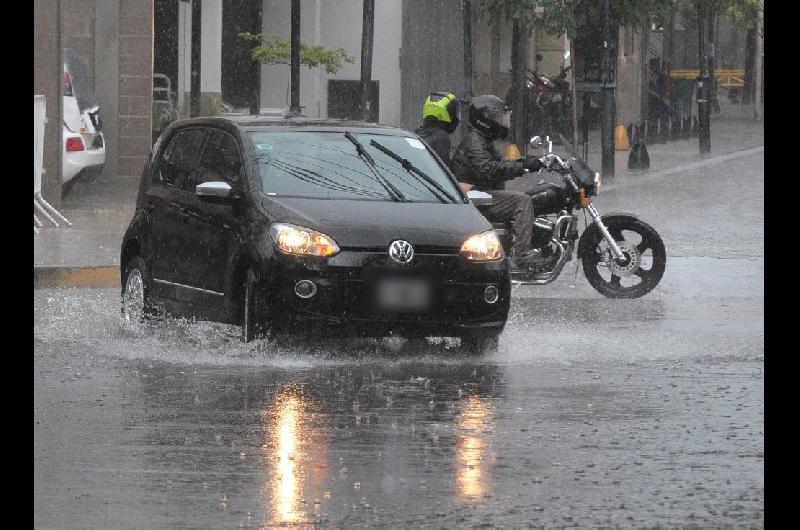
[272,123]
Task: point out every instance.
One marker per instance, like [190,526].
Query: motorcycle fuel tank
[547,198]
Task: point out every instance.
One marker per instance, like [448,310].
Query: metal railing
[725,78]
[39,204]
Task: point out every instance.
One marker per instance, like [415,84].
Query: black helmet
[490,115]
[443,108]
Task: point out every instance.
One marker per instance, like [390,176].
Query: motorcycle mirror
[536,142]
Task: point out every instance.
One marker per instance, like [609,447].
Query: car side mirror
[480,198]
[214,190]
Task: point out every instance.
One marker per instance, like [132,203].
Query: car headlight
[483,247]
[292,239]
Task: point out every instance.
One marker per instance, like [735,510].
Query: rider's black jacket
[437,138]
[477,162]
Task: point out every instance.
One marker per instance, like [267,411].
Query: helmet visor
[501,118]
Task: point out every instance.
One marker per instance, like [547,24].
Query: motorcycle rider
[440,120]
[477,163]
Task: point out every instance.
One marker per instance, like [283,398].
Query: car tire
[254,308]
[480,343]
[135,306]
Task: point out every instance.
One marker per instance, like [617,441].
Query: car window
[180,158]
[220,161]
[326,165]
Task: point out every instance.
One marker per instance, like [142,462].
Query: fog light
[491,294]
[305,289]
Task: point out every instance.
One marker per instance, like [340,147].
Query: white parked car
[84,144]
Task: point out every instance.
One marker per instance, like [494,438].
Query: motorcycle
[552,109]
[622,256]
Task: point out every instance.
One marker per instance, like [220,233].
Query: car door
[169,235]
[212,223]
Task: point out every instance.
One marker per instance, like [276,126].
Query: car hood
[371,224]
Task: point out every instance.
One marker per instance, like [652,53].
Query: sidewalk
[727,136]
[87,254]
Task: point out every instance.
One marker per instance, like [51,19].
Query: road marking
[50,277]
[656,175]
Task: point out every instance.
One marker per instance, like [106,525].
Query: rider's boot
[524,264]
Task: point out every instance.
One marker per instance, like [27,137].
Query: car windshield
[326,165]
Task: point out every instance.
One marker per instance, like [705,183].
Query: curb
[50,277]
[635,179]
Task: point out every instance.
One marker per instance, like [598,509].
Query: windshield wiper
[414,170]
[393,192]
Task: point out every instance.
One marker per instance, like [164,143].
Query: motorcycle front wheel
[642,267]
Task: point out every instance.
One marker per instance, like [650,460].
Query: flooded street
[594,412]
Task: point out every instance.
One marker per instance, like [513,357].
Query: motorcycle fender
[583,243]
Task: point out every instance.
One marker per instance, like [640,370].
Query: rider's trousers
[514,207]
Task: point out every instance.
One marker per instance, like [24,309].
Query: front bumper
[345,295]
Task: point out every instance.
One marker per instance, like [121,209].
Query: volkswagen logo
[401,251]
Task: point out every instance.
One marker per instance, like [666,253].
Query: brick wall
[135,85]
[77,24]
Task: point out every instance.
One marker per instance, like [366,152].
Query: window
[220,160]
[325,165]
[179,159]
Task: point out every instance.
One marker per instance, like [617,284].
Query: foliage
[557,16]
[553,16]
[743,13]
[274,50]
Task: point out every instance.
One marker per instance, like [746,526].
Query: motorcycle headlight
[483,247]
[292,239]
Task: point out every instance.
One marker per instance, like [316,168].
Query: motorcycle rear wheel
[641,245]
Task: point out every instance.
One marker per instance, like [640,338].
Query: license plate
[404,294]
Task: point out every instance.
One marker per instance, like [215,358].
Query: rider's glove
[548,160]
[532,163]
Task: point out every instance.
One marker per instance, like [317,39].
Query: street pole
[194,84]
[367,30]
[758,105]
[712,60]
[520,41]
[255,66]
[645,95]
[609,107]
[467,50]
[295,59]
[703,108]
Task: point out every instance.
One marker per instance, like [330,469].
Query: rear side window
[179,159]
[220,160]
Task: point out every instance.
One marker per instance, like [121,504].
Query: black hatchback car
[283,223]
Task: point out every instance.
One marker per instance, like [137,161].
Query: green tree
[275,50]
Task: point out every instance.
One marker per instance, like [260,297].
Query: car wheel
[135,306]
[254,308]
[480,343]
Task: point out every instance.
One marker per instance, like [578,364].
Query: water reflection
[474,420]
[287,458]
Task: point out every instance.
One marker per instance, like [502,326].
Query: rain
[600,401]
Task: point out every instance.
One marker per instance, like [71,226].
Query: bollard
[512,152]
[621,138]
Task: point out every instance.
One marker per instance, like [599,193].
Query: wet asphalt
[593,412]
